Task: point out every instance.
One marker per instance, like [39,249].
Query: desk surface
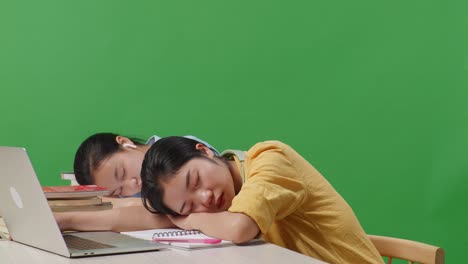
[16,253]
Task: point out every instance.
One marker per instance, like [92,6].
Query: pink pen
[189,240]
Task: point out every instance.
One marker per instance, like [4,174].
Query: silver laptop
[30,221]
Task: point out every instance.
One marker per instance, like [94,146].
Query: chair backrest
[412,251]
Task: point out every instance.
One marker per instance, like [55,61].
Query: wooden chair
[412,251]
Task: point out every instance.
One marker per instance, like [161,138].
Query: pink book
[78,191]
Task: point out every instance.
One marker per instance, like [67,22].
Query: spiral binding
[176,233]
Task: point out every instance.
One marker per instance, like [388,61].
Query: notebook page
[177,234]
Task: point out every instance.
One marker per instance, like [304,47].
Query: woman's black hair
[93,151]
[162,161]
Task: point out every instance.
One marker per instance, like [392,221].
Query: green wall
[373,93]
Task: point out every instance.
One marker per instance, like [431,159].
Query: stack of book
[76,198]
[4,230]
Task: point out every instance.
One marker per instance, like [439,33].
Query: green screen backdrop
[372,93]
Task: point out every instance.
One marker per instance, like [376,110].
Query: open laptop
[30,221]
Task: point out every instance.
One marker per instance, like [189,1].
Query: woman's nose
[130,186]
[131,182]
[206,198]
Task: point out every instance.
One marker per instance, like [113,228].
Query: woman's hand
[63,220]
[236,227]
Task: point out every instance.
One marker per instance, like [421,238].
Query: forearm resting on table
[236,227]
[119,219]
[123,202]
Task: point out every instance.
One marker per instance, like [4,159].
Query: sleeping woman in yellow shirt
[269,190]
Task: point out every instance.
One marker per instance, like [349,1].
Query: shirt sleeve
[152,140]
[272,190]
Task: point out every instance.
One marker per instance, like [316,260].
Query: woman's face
[120,173]
[201,185]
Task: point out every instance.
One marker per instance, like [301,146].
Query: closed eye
[122,175]
[197,180]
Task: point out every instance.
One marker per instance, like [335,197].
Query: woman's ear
[204,149]
[124,142]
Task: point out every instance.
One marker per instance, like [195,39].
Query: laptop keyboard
[79,243]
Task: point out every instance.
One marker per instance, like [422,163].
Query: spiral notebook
[179,238]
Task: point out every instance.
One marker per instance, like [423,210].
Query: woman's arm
[129,218]
[236,227]
[123,202]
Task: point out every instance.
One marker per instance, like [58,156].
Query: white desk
[16,253]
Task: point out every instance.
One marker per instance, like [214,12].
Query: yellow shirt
[295,207]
